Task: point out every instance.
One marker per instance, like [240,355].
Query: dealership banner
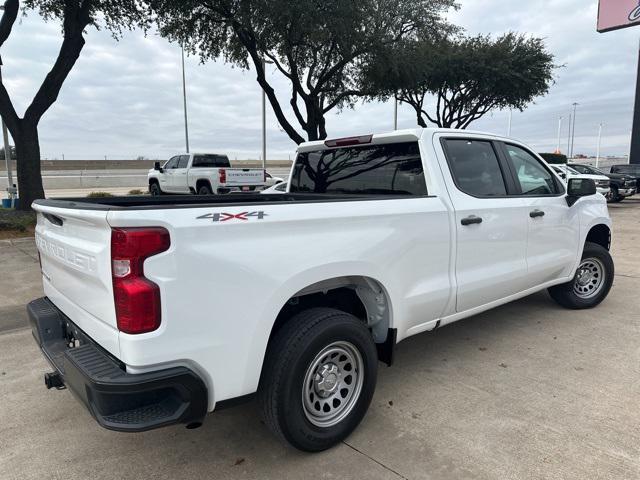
[614,14]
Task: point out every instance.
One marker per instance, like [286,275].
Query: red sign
[615,14]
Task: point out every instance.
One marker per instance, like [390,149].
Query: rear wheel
[318,379]
[204,189]
[592,281]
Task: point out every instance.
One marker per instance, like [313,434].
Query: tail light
[223,175]
[137,298]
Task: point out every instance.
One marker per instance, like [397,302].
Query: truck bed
[190,201]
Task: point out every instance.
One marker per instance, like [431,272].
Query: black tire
[154,189]
[566,295]
[614,196]
[290,356]
[204,189]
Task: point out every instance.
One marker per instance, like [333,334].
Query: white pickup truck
[203,174]
[160,310]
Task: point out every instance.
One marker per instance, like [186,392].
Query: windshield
[569,170]
[588,169]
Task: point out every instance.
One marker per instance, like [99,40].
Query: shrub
[99,195]
[136,191]
[16,220]
[555,158]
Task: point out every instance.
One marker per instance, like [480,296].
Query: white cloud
[124,99]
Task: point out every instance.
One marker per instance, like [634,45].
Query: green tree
[467,76]
[318,46]
[74,16]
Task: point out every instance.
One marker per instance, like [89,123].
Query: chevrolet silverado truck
[159,310]
[203,174]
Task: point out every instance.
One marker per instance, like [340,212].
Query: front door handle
[471,220]
[536,213]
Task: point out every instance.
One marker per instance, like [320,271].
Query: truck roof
[405,135]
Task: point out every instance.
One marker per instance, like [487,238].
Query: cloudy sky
[124,99]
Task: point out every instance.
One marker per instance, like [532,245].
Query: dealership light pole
[184,100]
[599,143]
[509,127]
[573,130]
[395,113]
[7,148]
[569,136]
[559,132]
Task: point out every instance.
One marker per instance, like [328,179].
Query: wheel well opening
[361,297]
[202,183]
[601,235]
[153,180]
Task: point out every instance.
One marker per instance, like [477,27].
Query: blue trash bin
[6,203]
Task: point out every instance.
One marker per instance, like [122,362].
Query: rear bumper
[627,192]
[238,189]
[116,399]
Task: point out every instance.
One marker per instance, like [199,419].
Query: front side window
[475,168]
[184,160]
[172,163]
[533,178]
[393,169]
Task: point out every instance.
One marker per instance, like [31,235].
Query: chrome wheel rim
[589,278]
[332,384]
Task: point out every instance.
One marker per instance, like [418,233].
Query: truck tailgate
[244,176]
[74,247]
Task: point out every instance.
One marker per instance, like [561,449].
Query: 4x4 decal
[224,217]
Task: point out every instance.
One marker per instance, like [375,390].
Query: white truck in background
[203,174]
[160,310]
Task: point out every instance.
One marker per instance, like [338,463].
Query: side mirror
[156,166]
[579,187]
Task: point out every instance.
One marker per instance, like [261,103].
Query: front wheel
[154,189]
[318,379]
[591,283]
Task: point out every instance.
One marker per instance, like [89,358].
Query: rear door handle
[471,220]
[536,214]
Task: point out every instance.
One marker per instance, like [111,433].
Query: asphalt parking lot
[525,391]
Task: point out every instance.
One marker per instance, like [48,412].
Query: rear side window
[475,167]
[394,169]
[211,161]
[533,178]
